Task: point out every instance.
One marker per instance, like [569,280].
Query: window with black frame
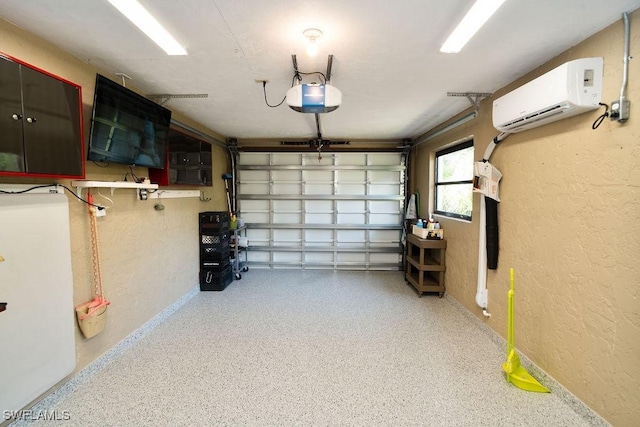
[454,181]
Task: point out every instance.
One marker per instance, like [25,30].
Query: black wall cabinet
[188,161]
[40,123]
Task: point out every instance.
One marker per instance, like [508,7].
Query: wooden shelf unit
[425,266]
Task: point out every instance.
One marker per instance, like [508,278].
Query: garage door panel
[286,159]
[318,236]
[384,219]
[287,206]
[287,257]
[318,206]
[286,175]
[254,159]
[351,236]
[378,176]
[352,159]
[386,159]
[258,236]
[255,217]
[254,188]
[286,189]
[319,189]
[258,257]
[320,218]
[383,236]
[319,258]
[351,218]
[384,189]
[343,211]
[313,176]
[378,258]
[351,206]
[287,237]
[348,176]
[253,175]
[352,257]
[324,160]
[255,205]
[316,246]
[287,218]
[352,189]
[382,206]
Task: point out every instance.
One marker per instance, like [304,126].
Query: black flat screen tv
[127,128]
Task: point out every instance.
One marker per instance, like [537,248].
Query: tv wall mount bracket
[164,97]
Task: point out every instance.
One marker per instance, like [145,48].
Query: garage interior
[323,327]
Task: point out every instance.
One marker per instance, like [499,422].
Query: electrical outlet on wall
[99,211]
[619,110]
[143,194]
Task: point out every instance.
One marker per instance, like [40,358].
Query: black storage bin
[214,240]
[215,279]
[214,244]
[214,220]
[215,262]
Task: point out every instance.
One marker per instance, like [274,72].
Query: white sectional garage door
[343,211]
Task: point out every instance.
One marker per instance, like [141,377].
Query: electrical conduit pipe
[482,294]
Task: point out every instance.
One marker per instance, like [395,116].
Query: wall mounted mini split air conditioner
[573,88]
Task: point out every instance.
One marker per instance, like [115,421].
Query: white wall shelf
[80,185]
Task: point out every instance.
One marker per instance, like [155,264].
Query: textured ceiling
[387,63]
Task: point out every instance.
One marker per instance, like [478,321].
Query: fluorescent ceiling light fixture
[479,13]
[142,19]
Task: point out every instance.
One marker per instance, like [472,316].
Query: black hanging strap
[492,232]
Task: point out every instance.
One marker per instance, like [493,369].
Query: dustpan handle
[510,328]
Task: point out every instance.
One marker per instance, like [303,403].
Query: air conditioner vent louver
[570,89]
[535,117]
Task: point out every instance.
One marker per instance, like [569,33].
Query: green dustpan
[516,374]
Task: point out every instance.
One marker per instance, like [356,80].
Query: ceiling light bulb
[312,48]
[479,13]
[312,34]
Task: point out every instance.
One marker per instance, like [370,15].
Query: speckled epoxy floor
[285,347]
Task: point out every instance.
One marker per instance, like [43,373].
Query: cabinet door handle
[31,119]
[16,116]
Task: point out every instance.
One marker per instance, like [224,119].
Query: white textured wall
[149,257]
[569,227]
